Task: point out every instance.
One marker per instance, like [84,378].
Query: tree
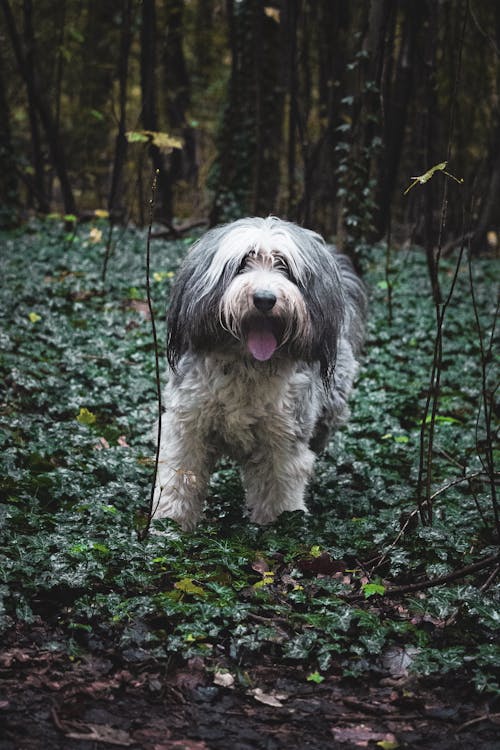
[9,193]
[245,177]
[150,110]
[37,102]
[116,191]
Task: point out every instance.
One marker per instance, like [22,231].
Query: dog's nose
[264,300]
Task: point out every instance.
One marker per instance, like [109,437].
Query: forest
[128,128]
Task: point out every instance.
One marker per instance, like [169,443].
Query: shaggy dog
[264,329]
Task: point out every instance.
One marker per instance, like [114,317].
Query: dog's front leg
[275,481]
[183,474]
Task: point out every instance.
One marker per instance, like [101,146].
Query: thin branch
[156,349]
[448,578]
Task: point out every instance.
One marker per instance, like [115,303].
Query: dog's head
[265,287]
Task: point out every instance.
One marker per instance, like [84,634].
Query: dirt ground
[112,698]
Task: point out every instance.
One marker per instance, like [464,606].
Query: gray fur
[272,414]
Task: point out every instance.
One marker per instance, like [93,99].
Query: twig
[107,252]
[157,359]
[488,462]
[477,720]
[440,580]
[378,561]
[465,478]
[427,432]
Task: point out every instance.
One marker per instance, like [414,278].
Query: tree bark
[54,141]
[163,209]
[9,193]
[115,199]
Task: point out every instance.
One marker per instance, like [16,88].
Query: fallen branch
[440,580]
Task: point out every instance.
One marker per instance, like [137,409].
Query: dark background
[321,111]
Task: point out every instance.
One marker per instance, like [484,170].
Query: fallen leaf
[269,699]
[224,679]
[85,416]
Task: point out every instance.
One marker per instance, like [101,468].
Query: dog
[265,327]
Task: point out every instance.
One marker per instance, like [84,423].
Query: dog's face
[262,288]
[263,307]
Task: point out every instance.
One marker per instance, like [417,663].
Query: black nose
[264,300]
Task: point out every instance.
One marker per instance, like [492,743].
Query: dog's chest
[239,408]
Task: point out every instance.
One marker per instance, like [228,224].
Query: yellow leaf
[267,579]
[273,13]
[34,317]
[163,141]
[100,213]
[388,744]
[187,586]
[95,235]
[426,176]
[161,275]
[85,416]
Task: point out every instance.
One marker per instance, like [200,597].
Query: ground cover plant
[342,592]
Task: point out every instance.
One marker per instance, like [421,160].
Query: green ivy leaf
[371,589]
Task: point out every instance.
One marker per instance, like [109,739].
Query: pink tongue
[262,344]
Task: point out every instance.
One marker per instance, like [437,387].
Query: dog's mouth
[262,338]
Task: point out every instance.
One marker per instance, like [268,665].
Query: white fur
[221,401]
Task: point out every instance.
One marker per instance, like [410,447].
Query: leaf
[161,275]
[388,744]
[163,141]
[269,699]
[85,416]
[101,213]
[439,418]
[426,176]
[34,317]
[315,550]
[224,679]
[315,677]
[187,586]
[136,137]
[267,579]
[95,235]
[370,589]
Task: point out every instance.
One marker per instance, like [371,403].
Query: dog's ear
[177,324]
[325,303]
[193,313]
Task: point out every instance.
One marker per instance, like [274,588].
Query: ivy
[76,438]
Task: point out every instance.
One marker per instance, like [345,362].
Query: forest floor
[114,699]
[356,626]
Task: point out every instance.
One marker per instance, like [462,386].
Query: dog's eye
[281,265]
[242,265]
[244,262]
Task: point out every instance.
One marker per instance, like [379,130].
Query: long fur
[265,326]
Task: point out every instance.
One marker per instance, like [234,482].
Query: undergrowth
[76,460]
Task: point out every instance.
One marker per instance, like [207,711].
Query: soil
[111,698]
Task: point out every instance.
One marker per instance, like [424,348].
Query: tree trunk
[163,209]
[489,216]
[396,97]
[177,95]
[246,171]
[40,193]
[54,140]
[116,198]
[9,194]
